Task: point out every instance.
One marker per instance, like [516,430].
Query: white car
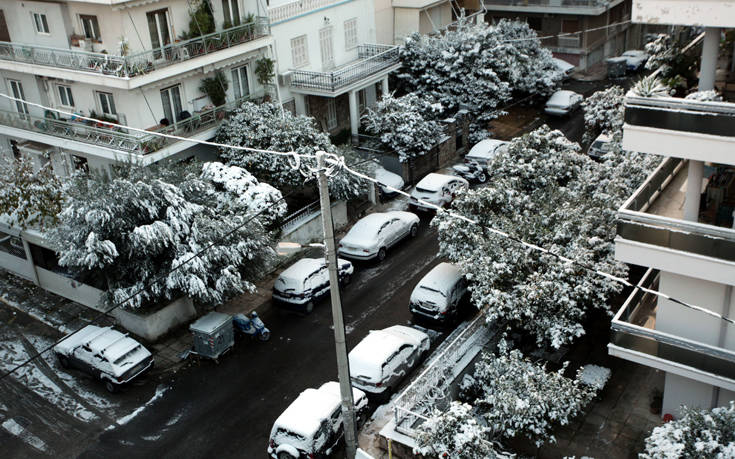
[311,426]
[635,59]
[485,150]
[388,178]
[563,102]
[383,358]
[374,234]
[439,294]
[563,67]
[599,147]
[437,189]
[305,282]
[106,354]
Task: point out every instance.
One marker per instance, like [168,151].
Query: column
[299,101]
[384,85]
[710,49]
[354,115]
[694,190]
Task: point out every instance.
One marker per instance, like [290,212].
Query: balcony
[138,64]
[373,63]
[709,13]
[291,10]
[574,7]
[114,139]
[635,338]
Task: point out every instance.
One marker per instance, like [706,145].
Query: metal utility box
[213,335]
[616,67]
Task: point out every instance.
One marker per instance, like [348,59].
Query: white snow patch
[19,431]
[174,419]
[160,390]
[151,437]
[60,327]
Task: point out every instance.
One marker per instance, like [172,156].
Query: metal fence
[300,215]
[139,63]
[552,3]
[372,58]
[296,8]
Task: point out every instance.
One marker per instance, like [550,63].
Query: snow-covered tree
[405,124]
[699,433]
[141,223]
[677,70]
[29,198]
[603,113]
[266,126]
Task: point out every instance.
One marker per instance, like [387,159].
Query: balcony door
[171,101]
[327,46]
[16,89]
[240,82]
[4,32]
[158,26]
[231,12]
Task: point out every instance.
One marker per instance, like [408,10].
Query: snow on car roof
[388,178]
[441,278]
[434,181]
[305,414]
[486,148]
[295,274]
[368,357]
[367,226]
[100,342]
[120,348]
[634,52]
[561,97]
[332,387]
[562,65]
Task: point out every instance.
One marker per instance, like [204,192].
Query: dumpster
[213,335]
[616,67]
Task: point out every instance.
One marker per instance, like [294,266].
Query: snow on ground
[160,390]
[12,353]
[35,314]
[19,431]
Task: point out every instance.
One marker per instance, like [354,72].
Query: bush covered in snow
[29,198]
[603,113]
[699,433]
[405,124]
[266,126]
[677,70]
[142,222]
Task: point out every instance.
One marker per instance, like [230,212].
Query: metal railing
[552,3]
[296,8]
[635,224]
[372,58]
[118,138]
[139,63]
[300,215]
[699,356]
[679,114]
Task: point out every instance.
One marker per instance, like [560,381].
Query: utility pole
[343,365]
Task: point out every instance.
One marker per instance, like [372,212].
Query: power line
[158,278]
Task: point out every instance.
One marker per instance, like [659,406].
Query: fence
[300,215]
[296,8]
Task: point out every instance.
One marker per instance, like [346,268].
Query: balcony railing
[139,63]
[117,138]
[635,224]
[296,8]
[553,3]
[633,329]
[371,60]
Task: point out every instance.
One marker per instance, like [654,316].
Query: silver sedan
[374,234]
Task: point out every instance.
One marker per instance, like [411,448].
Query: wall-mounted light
[326,20]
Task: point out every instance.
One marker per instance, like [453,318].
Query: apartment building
[329,65]
[136,63]
[554,17]
[396,19]
[679,223]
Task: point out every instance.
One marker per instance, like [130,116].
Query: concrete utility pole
[343,365]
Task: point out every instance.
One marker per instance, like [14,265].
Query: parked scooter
[472,171]
[252,326]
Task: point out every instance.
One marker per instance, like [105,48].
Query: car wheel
[284,455]
[111,388]
[482,178]
[381,254]
[63,360]
[265,336]
[346,279]
[309,306]
[414,230]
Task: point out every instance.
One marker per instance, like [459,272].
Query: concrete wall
[310,229]
[153,326]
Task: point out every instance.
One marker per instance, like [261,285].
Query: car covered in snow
[389,178]
[305,282]
[374,234]
[384,357]
[439,294]
[563,102]
[485,151]
[635,59]
[106,354]
[312,426]
[600,146]
[437,189]
[564,68]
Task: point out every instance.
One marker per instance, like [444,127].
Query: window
[65,97]
[107,103]
[534,22]
[231,11]
[159,30]
[39,20]
[171,101]
[17,89]
[90,26]
[327,48]
[307,106]
[351,33]
[331,114]
[240,82]
[299,52]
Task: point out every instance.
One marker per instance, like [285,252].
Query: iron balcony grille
[372,59]
[139,63]
[552,3]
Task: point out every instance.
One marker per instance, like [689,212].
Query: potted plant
[215,87]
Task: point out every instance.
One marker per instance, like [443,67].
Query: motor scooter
[472,171]
[252,326]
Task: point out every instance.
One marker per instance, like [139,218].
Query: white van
[437,189]
[484,151]
[438,295]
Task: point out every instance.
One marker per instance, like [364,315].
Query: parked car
[563,102]
[312,426]
[390,179]
[305,282]
[599,147]
[564,68]
[635,59]
[374,234]
[439,294]
[384,357]
[110,356]
[437,189]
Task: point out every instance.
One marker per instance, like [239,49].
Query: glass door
[327,47]
[171,101]
[159,30]
[17,89]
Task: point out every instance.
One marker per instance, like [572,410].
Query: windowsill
[301,66]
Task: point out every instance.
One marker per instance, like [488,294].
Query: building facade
[679,223]
[396,19]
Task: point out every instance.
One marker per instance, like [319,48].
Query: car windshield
[424,190]
[433,290]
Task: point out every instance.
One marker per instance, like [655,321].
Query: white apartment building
[127,61]
[679,224]
[396,19]
[329,65]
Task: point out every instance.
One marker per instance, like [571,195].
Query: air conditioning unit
[284,79]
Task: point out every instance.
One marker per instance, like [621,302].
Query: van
[438,295]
